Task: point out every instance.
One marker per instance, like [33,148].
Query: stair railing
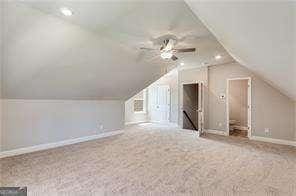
[192,124]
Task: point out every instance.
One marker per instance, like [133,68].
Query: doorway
[239,107]
[193,106]
[159,103]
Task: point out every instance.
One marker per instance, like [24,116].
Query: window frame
[144,99]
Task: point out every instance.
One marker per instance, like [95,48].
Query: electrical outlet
[266,130]
[101,127]
[220,124]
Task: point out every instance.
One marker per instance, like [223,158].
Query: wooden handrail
[190,120]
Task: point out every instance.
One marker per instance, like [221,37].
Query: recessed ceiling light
[66,11]
[218,56]
[182,64]
[166,55]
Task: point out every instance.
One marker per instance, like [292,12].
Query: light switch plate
[222,96]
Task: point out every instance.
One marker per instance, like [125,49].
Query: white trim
[144,99]
[249,104]
[217,132]
[257,138]
[40,147]
[136,122]
[201,109]
[141,112]
[272,140]
[160,122]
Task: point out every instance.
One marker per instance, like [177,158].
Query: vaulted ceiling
[261,35]
[94,54]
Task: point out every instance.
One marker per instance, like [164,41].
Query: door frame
[249,97]
[201,97]
[181,94]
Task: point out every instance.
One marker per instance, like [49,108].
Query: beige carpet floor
[150,159]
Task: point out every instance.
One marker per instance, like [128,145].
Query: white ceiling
[95,54]
[259,35]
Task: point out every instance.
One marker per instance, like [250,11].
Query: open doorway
[193,106]
[239,107]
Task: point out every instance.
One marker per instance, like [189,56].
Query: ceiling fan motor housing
[168,44]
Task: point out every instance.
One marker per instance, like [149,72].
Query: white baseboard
[272,140]
[256,138]
[40,147]
[134,123]
[160,122]
[217,132]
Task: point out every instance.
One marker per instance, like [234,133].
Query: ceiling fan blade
[174,58]
[143,48]
[185,50]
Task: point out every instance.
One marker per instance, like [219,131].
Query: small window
[139,105]
[140,102]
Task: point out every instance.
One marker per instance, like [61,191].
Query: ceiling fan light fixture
[218,56]
[66,11]
[166,55]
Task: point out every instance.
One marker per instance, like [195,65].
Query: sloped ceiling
[259,34]
[94,54]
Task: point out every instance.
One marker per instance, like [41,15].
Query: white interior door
[160,103]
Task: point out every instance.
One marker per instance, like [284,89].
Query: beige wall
[188,76]
[135,117]
[31,122]
[238,101]
[270,108]
[1,65]
[295,120]
[1,126]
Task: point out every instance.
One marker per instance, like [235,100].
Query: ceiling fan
[167,50]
